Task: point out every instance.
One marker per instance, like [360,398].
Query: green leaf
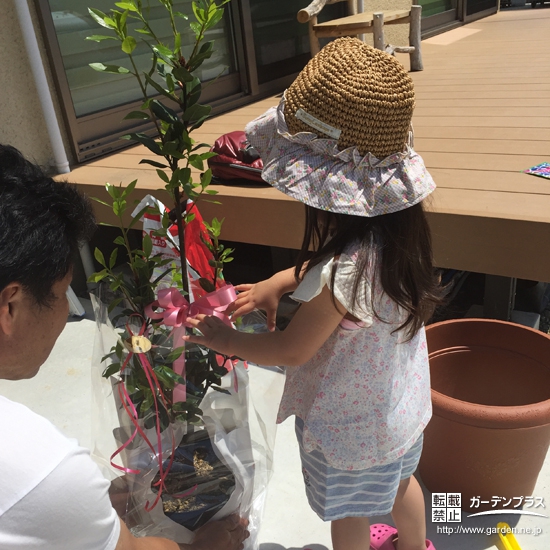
[184,175]
[144,31]
[170,375]
[129,44]
[98,255]
[153,163]
[206,178]
[126,6]
[200,146]
[100,201]
[182,74]
[114,304]
[119,207]
[182,15]
[147,245]
[177,43]
[196,112]
[196,28]
[112,190]
[170,84]
[113,368]
[196,162]
[147,403]
[175,354]
[122,27]
[162,275]
[99,17]
[207,155]
[120,241]
[98,276]
[207,47]
[207,285]
[100,37]
[112,259]
[163,52]
[150,143]
[138,115]
[214,19]
[109,68]
[200,15]
[163,176]
[164,378]
[129,189]
[111,23]
[159,88]
[163,112]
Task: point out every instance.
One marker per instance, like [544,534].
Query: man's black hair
[42,224]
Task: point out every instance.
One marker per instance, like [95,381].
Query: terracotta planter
[490,430]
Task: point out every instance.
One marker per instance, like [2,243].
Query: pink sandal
[382,537]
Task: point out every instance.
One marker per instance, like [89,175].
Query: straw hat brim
[314,171]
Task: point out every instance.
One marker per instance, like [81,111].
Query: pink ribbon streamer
[132,412]
[176,309]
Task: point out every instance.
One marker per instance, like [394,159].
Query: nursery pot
[490,429]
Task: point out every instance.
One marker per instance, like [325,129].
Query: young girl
[357,376]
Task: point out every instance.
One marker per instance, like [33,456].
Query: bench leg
[415,38]
[500,295]
[314,44]
[378,30]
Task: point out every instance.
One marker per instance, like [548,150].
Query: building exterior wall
[22,121]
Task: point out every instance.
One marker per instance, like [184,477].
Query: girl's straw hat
[341,137]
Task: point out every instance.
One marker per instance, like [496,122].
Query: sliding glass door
[95,102]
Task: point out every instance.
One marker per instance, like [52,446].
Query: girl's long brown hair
[395,246]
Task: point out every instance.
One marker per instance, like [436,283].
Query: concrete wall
[22,122]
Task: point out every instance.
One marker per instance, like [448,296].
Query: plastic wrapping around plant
[171,477]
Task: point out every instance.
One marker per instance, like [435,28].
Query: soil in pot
[490,431]
[198,484]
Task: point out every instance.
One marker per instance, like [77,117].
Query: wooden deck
[482,116]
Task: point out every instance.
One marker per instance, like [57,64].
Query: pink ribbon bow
[176,309]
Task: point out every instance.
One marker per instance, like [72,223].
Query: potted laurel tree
[182,437]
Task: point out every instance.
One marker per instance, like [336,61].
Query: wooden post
[314,44]
[378,30]
[360,9]
[415,38]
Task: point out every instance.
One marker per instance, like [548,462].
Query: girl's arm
[310,327]
[264,295]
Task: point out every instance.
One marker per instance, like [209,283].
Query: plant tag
[317,124]
[138,344]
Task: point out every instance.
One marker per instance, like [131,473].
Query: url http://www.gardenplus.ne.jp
[463,530]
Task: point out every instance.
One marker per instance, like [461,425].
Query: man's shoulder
[31,448]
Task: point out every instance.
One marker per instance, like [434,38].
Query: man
[52,495]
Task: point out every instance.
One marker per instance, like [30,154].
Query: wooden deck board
[482,117]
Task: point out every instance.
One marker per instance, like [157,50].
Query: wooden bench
[365,22]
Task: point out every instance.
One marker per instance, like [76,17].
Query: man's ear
[11,298]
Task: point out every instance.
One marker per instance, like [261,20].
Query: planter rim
[489,416]
[472,320]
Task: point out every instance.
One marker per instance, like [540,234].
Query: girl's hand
[264,295]
[216,334]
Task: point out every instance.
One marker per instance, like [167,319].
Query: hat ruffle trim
[314,171]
